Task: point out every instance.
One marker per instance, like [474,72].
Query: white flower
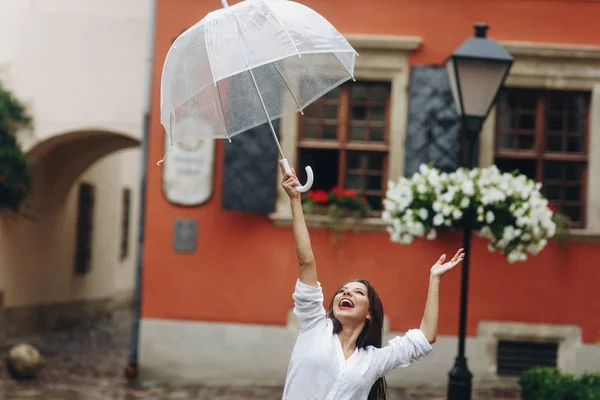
[446,210]
[432,234]
[487,191]
[457,214]
[468,188]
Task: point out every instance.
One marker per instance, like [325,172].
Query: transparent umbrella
[248,64]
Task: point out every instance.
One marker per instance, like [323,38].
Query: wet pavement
[87,363]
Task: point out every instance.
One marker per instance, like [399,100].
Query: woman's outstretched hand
[290,182]
[440,268]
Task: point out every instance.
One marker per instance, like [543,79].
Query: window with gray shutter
[514,357]
[433,126]
[249,181]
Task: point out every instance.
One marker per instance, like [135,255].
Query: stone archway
[41,290]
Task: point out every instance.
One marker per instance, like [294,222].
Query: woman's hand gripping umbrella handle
[309,175]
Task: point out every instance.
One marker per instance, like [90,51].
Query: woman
[338,353]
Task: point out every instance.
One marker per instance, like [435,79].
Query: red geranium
[318,196]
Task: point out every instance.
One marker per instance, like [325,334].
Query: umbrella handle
[309,176]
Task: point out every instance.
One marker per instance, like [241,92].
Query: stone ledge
[321,221]
[377,225]
[45,318]
[552,50]
[384,42]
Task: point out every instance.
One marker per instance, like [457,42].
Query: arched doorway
[67,262]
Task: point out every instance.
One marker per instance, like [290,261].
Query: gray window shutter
[250,171]
[433,126]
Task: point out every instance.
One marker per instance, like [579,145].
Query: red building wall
[245,267]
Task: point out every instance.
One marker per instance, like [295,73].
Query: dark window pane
[525,167]
[323,160]
[553,192]
[377,114]
[330,132]
[311,131]
[374,202]
[354,181]
[374,182]
[527,122]
[359,91]
[505,141]
[526,142]
[576,123]
[376,161]
[528,101]
[574,172]
[376,134]
[379,92]
[505,121]
[574,144]
[358,133]
[553,171]
[354,160]
[333,94]
[312,111]
[331,112]
[358,113]
[573,193]
[572,211]
[554,123]
[554,143]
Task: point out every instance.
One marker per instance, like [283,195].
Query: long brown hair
[371,335]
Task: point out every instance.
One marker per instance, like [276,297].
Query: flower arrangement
[15,179]
[505,208]
[338,203]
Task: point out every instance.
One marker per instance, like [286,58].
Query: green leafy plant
[542,383]
[15,177]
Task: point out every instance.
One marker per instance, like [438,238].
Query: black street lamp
[476,71]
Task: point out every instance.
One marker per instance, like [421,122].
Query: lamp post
[476,71]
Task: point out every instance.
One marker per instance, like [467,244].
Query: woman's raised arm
[306,259]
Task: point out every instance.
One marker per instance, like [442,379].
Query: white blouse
[318,369]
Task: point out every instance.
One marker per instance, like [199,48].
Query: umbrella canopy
[248,64]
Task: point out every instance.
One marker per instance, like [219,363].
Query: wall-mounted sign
[185,236]
[188,168]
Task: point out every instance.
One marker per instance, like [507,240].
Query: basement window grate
[514,357]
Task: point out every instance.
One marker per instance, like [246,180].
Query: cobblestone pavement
[87,363]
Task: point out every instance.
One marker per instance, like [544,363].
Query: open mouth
[346,304]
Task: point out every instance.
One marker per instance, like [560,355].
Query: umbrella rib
[340,61]
[289,88]
[295,48]
[212,72]
[256,86]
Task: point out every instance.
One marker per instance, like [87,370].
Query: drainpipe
[131,372]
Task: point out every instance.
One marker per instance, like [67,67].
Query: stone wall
[19,322]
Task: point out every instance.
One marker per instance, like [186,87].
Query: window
[85,218]
[125,223]
[344,135]
[515,357]
[544,135]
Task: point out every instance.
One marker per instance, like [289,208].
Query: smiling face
[351,302]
